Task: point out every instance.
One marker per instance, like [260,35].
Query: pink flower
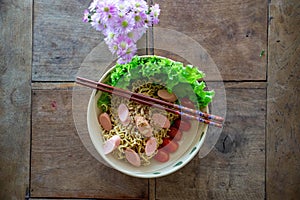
[139,19]
[86,14]
[136,34]
[122,22]
[126,49]
[154,13]
[93,5]
[106,10]
[140,5]
[96,22]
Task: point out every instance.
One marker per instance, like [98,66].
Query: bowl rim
[175,165]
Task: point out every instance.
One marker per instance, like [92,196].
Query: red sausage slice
[183,125]
[143,126]
[104,121]
[111,144]
[170,145]
[161,156]
[132,157]
[175,133]
[123,113]
[164,94]
[161,120]
[151,146]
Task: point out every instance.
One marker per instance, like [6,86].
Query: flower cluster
[123,23]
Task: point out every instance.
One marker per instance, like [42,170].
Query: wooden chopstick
[143,99]
[138,95]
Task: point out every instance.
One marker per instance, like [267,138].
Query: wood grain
[58,199]
[61,167]
[235,168]
[283,139]
[233,32]
[15,70]
[52,85]
[61,199]
[61,39]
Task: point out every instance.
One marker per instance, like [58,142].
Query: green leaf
[180,79]
[150,69]
[203,97]
[185,90]
[166,63]
[104,101]
[262,53]
[135,73]
[190,74]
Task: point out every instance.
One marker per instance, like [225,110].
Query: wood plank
[283,139]
[152,186]
[62,41]
[235,168]
[246,85]
[233,32]
[61,166]
[58,199]
[52,86]
[15,101]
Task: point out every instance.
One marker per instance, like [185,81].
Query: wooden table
[257,156]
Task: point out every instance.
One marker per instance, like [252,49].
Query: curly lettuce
[176,77]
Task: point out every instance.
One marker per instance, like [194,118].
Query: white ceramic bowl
[189,145]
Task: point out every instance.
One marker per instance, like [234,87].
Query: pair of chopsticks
[160,104]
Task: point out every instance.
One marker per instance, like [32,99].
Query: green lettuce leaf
[190,74]
[183,80]
[104,101]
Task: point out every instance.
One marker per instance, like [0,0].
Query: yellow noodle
[130,137]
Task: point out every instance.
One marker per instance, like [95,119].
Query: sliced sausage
[161,120]
[111,144]
[170,145]
[175,133]
[123,113]
[143,126]
[151,146]
[105,121]
[183,125]
[161,156]
[164,94]
[133,157]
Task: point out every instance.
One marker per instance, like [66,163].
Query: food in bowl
[140,134]
[140,128]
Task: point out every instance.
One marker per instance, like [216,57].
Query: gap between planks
[52,85]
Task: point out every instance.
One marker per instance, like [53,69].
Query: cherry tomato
[182,125]
[166,141]
[175,133]
[170,145]
[161,156]
[177,123]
